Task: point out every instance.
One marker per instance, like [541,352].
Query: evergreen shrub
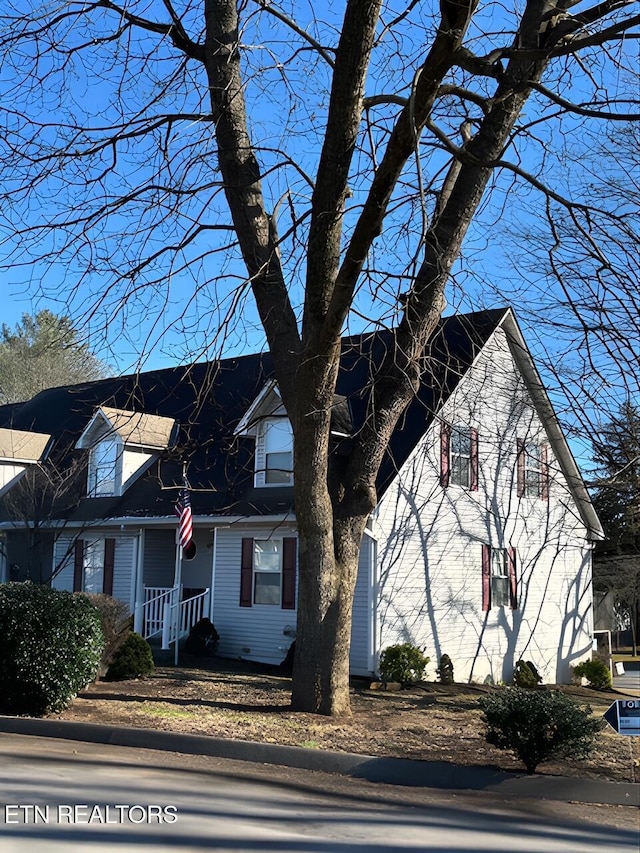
[134,659]
[596,672]
[51,643]
[404,663]
[445,670]
[538,725]
[526,675]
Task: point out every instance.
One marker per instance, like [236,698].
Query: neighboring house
[480,546]
[19,451]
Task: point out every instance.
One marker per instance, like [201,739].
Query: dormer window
[104,473]
[20,450]
[278,452]
[122,445]
[267,422]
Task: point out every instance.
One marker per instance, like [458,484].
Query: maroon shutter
[109,562]
[289,559]
[521,464]
[486,577]
[78,565]
[473,485]
[445,454]
[513,580]
[544,461]
[246,574]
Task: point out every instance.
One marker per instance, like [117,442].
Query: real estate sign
[624,716]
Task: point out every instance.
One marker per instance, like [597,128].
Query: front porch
[166,610]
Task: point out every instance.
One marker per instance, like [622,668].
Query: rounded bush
[526,675]
[596,672]
[50,647]
[404,663]
[538,725]
[133,659]
[445,670]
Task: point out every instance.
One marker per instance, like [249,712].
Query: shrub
[539,725]
[117,623]
[596,672]
[445,670]
[405,663]
[526,675]
[133,659]
[203,638]
[50,647]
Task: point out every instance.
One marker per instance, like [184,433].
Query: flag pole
[177,584]
[184,535]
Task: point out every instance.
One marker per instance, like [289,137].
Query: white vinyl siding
[9,475]
[124,569]
[361,628]
[431,544]
[260,632]
[63,562]
[159,557]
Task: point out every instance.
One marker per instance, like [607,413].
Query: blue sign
[624,716]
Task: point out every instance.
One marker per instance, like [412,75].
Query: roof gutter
[162,521]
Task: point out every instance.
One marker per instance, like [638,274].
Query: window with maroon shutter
[445,443]
[533,470]
[246,574]
[513,580]
[289,561]
[499,581]
[460,456]
[109,564]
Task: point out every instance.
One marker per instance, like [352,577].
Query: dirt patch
[432,722]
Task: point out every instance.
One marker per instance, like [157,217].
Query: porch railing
[156,615]
[191,611]
[150,618]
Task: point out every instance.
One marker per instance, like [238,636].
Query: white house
[480,546]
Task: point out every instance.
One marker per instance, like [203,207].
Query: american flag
[183,511]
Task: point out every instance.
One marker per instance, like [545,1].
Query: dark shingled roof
[208,400]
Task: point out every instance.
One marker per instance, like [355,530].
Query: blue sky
[178,314]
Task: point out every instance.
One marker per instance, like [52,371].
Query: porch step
[161,657]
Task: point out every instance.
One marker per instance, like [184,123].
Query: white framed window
[461,456]
[267,571]
[499,577]
[93,580]
[104,463]
[278,452]
[533,470]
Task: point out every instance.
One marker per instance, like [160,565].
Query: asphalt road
[92,797]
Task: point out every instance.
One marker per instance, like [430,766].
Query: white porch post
[138,586]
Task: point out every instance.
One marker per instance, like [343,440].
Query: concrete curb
[391,771]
